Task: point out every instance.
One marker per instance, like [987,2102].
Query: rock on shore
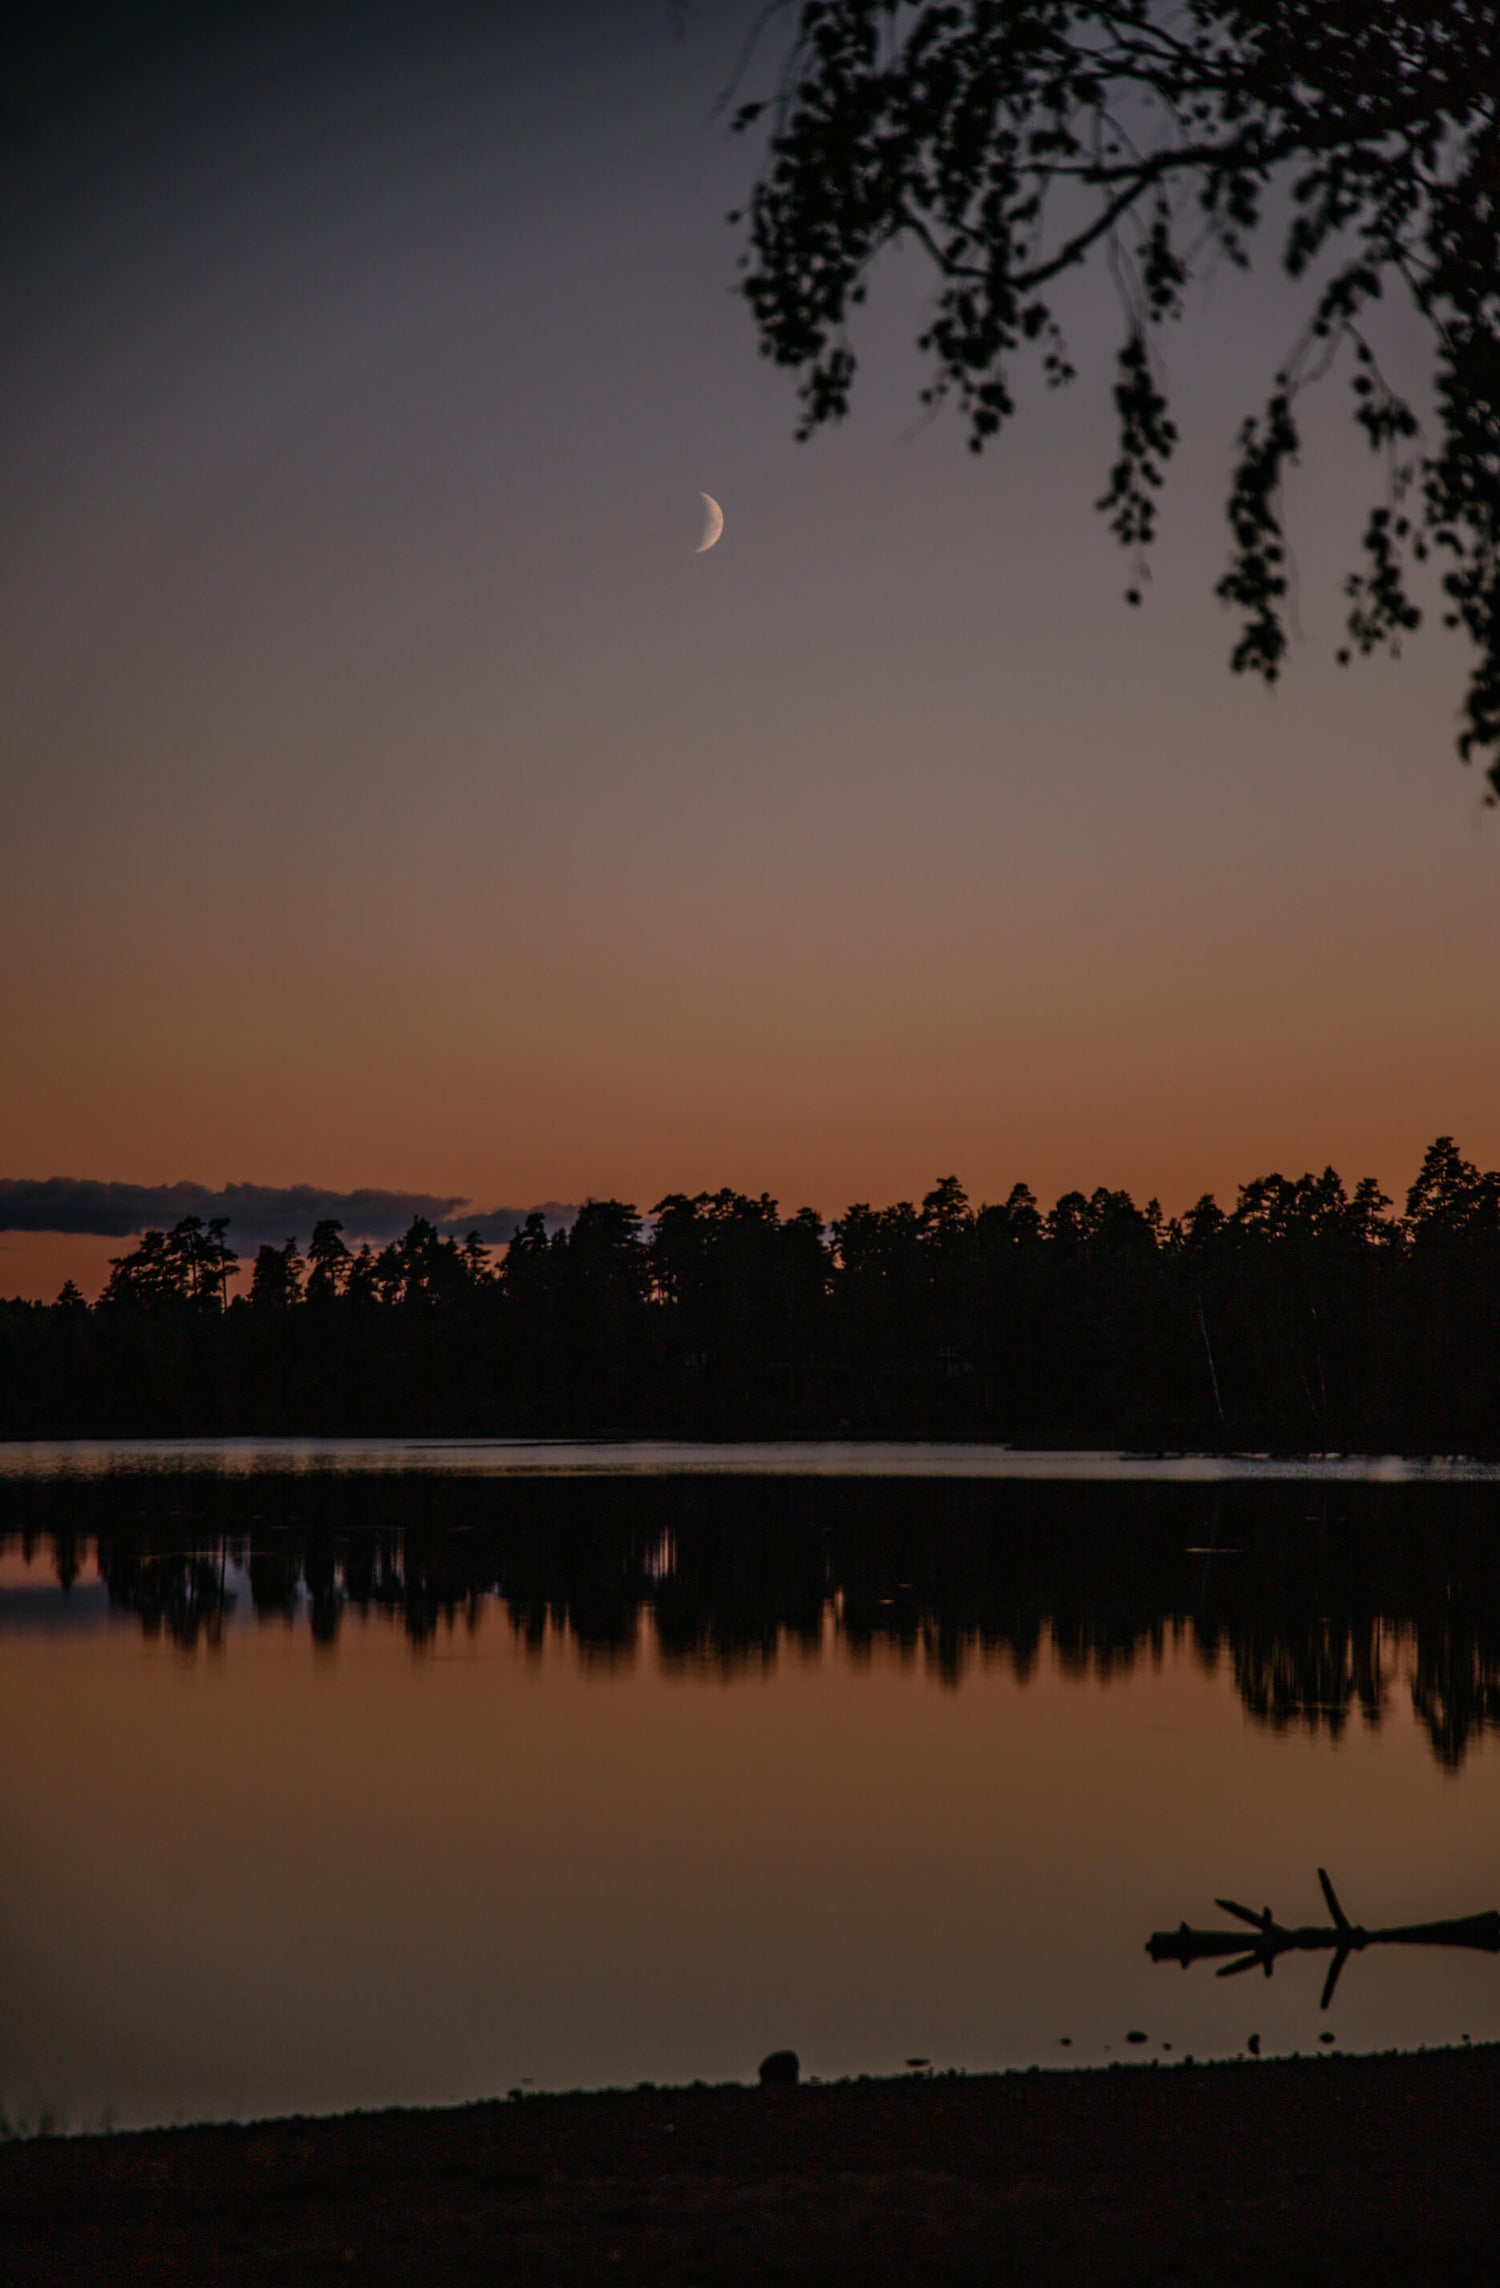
[1329,2169]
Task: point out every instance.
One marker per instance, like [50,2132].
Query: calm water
[346,1776]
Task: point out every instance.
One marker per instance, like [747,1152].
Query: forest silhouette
[1307,1317]
[1328,1606]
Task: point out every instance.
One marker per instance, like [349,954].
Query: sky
[395,800]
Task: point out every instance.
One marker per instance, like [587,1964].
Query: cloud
[258,1213]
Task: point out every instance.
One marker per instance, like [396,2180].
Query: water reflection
[1327,1609]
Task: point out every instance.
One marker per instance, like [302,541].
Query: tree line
[1305,1316]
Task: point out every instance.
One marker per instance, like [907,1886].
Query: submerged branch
[1184,1945]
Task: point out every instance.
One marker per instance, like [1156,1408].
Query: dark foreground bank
[1368,2169]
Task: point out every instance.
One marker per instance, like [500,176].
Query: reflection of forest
[1327,1603]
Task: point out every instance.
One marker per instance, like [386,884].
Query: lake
[355,1774]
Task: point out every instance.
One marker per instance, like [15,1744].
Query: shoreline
[100,1454]
[1377,2167]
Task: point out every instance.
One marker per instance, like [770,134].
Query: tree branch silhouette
[964,124]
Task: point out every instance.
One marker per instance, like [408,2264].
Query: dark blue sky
[394,798]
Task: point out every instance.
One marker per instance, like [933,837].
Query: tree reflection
[1390,1599]
[181,1593]
[1313,1673]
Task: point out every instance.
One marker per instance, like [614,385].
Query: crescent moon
[713,523]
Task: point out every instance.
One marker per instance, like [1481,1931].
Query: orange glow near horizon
[393,797]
